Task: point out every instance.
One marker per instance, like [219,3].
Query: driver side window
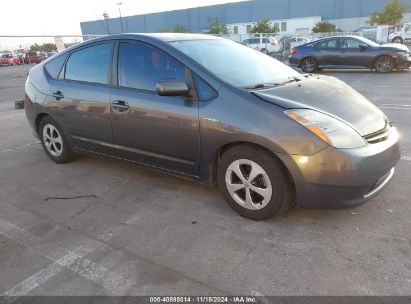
[141,66]
[351,44]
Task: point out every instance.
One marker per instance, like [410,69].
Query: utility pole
[121,19]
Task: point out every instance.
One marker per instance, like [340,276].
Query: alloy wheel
[384,65]
[309,65]
[248,184]
[52,140]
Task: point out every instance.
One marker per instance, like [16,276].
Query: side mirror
[363,47]
[172,87]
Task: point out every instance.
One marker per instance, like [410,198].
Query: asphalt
[103,227]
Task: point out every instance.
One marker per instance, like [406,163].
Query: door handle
[58,95]
[120,106]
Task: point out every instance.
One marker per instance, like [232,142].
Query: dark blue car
[349,52]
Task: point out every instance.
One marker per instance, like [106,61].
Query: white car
[263,44]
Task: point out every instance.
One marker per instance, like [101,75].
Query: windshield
[234,63]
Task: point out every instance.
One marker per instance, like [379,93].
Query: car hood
[331,96]
[395,46]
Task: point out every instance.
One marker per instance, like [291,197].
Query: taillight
[293,51]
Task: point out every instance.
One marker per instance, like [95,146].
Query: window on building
[142,67]
[90,64]
[283,26]
[236,30]
[248,28]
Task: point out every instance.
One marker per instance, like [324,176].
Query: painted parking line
[35,280]
[406,157]
[74,261]
[395,107]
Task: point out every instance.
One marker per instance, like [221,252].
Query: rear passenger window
[54,66]
[141,67]
[90,64]
[328,44]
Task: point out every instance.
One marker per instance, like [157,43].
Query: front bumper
[404,62]
[343,178]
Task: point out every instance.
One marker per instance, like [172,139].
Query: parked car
[349,52]
[403,36]
[33,57]
[266,134]
[9,59]
[263,44]
[286,43]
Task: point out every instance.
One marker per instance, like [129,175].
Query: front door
[353,55]
[162,131]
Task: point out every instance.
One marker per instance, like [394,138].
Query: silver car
[215,111]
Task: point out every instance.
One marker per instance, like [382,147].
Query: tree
[324,27]
[180,28]
[217,26]
[264,27]
[392,14]
[45,47]
[163,30]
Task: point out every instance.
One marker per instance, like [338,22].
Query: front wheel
[54,141]
[384,64]
[309,65]
[254,183]
[397,40]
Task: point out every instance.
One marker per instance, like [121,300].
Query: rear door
[80,97]
[162,131]
[327,52]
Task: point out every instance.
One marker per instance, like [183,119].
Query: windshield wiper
[289,80]
[268,85]
[260,86]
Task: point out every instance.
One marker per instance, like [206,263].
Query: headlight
[331,130]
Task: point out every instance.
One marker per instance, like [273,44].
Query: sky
[63,17]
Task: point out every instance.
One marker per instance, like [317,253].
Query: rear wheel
[54,141]
[309,65]
[384,64]
[254,183]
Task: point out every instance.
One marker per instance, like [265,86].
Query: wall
[196,19]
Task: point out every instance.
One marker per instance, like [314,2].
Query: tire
[270,192]
[384,64]
[397,40]
[264,51]
[309,65]
[54,141]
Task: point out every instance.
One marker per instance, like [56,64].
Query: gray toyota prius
[215,111]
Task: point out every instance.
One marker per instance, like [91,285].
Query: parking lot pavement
[103,227]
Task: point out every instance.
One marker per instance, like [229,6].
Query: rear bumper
[295,62]
[343,178]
